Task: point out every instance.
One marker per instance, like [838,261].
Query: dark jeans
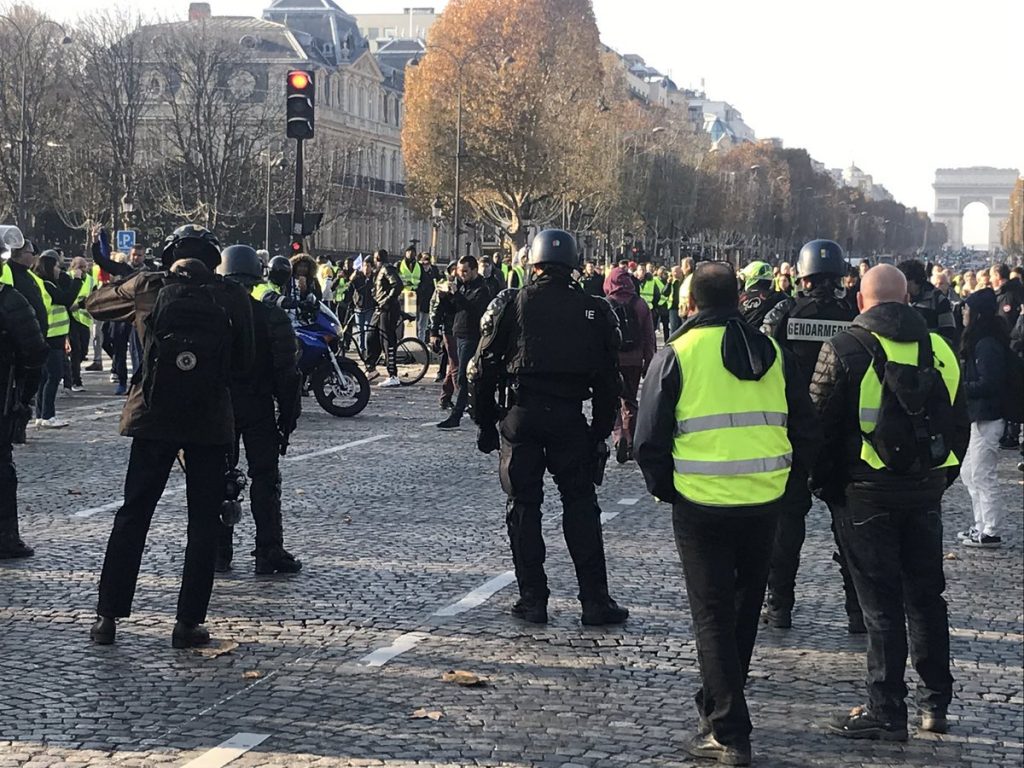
[148,469]
[78,337]
[46,395]
[8,481]
[466,348]
[539,434]
[674,320]
[661,317]
[256,427]
[120,333]
[725,564]
[625,421]
[386,322]
[895,558]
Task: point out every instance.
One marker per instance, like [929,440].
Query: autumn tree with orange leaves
[533,110]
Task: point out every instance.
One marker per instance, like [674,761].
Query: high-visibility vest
[80,315]
[58,321]
[7,278]
[504,271]
[520,274]
[410,277]
[647,291]
[258,290]
[731,448]
[662,294]
[870,401]
[340,286]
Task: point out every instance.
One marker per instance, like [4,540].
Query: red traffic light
[296,246]
[298,80]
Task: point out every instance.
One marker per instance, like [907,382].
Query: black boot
[189,635]
[225,549]
[855,624]
[275,559]
[452,422]
[532,609]
[599,613]
[622,451]
[12,547]
[102,632]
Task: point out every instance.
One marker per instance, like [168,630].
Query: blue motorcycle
[337,383]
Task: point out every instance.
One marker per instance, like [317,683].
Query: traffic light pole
[299,213]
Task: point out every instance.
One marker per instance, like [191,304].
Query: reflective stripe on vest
[723,457]
[258,290]
[410,277]
[80,315]
[870,402]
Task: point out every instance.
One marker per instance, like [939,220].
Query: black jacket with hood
[748,355]
[835,390]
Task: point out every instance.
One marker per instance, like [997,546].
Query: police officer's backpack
[187,346]
[915,425]
[629,324]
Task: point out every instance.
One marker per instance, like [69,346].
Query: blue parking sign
[125,239]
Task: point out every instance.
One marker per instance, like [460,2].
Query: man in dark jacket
[201,425]
[273,380]
[442,316]
[387,293]
[932,304]
[724,418]
[1009,299]
[889,523]
[23,350]
[18,269]
[491,277]
[424,293]
[759,296]
[593,281]
[470,297]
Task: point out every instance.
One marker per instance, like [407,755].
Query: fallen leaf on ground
[421,714]
[951,556]
[461,677]
[216,649]
[252,674]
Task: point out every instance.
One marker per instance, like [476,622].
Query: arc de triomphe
[956,188]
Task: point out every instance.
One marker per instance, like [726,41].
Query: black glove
[487,439]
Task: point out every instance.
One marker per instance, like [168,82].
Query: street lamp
[460,63]
[436,217]
[25,36]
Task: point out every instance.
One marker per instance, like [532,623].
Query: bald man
[889,522]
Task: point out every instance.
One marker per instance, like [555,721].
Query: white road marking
[627,502]
[607,517]
[478,596]
[429,424]
[115,505]
[402,643]
[228,750]
[335,449]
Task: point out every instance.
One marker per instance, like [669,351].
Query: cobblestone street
[406,576]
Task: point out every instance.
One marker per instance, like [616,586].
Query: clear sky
[901,87]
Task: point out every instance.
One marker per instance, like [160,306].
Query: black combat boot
[604,612]
[189,635]
[102,632]
[225,550]
[11,545]
[275,559]
[531,608]
[707,746]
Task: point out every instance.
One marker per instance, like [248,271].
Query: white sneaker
[969,533]
[113,378]
[37,422]
[78,388]
[391,381]
[53,423]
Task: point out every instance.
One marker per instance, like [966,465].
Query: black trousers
[725,564]
[78,337]
[895,557]
[148,469]
[549,434]
[466,346]
[8,481]
[256,428]
[386,323]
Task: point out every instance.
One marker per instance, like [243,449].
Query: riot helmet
[191,242]
[279,271]
[554,246]
[821,257]
[241,264]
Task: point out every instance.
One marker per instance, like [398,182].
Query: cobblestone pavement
[392,530]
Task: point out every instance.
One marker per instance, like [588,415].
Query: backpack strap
[925,354]
[873,347]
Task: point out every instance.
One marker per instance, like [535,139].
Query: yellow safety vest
[258,290]
[662,293]
[504,271]
[647,291]
[80,315]
[904,352]
[725,457]
[520,274]
[410,277]
[58,321]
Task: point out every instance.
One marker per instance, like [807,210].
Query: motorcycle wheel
[344,398]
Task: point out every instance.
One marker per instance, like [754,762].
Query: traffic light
[296,245]
[301,88]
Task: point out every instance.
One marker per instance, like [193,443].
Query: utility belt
[527,397]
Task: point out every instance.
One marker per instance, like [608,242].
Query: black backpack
[187,346]
[915,426]
[629,324]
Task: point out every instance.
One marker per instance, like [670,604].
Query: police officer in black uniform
[23,350]
[273,379]
[803,324]
[557,346]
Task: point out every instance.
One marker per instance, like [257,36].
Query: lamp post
[273,161]
[25,36]
[460,63]
[436,217]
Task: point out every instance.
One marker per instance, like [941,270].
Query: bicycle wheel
[413,360]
